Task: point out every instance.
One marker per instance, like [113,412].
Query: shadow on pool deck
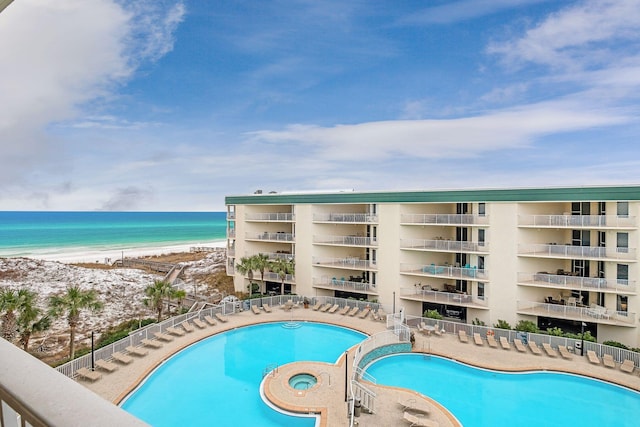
[327,397]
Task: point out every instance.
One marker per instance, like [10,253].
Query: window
[622,242]
[482,209]
[622,303]
[623,209]
[601,239]
[480,263]
[481,291]
[481,237]
[602,208]
[622,274]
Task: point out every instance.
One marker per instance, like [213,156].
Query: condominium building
[560,257]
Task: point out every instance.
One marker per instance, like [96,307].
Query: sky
[171,105]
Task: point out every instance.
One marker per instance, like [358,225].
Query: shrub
[616,344]
[432,314]
[478,322]
[556,332]
[502,324]
[587,336]
[526,326]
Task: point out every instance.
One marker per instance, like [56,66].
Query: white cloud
[463,10]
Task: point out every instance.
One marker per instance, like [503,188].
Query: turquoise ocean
[29,234]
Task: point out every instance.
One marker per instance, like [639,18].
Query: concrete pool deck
[328,396]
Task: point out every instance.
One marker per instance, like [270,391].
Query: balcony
[349,218]
[596,284]
[274,277]
[351,263]
[439,245]
[231,216]
[279,236]
[577,221]
[231,233]
[345,285]
[444,219]
[593,314]
[446,272]
[270,217]
[577,252]
[279,255]
[449,298]
[345,240]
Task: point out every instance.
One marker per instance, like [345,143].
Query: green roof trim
[445,196]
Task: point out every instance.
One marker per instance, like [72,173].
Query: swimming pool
[216,381]
[479,397]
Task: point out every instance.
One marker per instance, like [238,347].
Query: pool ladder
[270,368]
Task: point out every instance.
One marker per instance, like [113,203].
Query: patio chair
[413,405]
[504,343]
[364,313]
[333,308]
[199,323]
[187,326]
[122,358]
[210,320]
[221,317]
[416,421]
[255,309]
[344,310]
[354,311]
[491,340]
[519,345]
[151,343]
[564,352]
[608,361]
[317,306]
[137,351]
[627,366]
[477,339]
[593,357]
[325,307]
[549,350]
[174,331]
[266,308]
[462,336]
[163,337]
[106,365]
[534,348]
[88,374]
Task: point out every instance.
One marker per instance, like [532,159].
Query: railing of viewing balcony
[231,252]
[581,252]
[346,240]
[344,285]
[577,283]
[592,221]
[446,271]
[348,262]
[279,236]
[593,313]
[231,232]
[442,297]
[274,277]
[270,216]
[443,245]
[231,215]
[279,255]
[345,217]
[444,219]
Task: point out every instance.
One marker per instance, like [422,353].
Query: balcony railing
[231,232]
[344,285]
[279,255]
[443,297]
[577,283]
[444,219]
[279,236]
[443,245]
[231,215]
[346,217]
[577,252]
[270,216]
[274,277]
[446,271]
[577,221]
[595,314]
[231,252]
[352,263]
[346,240]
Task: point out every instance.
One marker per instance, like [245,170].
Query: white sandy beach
[79,255]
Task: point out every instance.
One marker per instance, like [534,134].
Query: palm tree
[156,295]
[261,263]
[31,319]
[9,304]
[71,303]
[282,267]
[179,294]
[246,266]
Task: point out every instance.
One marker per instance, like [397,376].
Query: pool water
[216,381]
[302,381]
[479,397]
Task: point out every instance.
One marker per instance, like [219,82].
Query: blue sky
[171,105]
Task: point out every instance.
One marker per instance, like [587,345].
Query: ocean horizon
[49,233]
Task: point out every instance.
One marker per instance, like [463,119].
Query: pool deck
[328,396]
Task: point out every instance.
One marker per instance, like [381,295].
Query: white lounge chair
[627,366]
[549,350]
[255,309]
[354,311]
[491,340]
[122,358]
[519,345]
[593,357]
[364,313]
[608,361]
[413,405]
[199,323]
[151,343]
[221,317]
[106,365]
[163,337]
[344,310]
[564,352]
[462,336]
[187,326]
[477,339]
[504,343]
[137,351]
[266,308]
[175,331]
[534,348]
[210,320]
[416,421]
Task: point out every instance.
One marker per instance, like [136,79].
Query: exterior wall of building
[521,257]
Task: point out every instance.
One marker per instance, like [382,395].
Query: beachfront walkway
[327,397]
